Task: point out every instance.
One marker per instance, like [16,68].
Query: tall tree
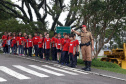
[104,19]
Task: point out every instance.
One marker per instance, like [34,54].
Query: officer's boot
[88,66]
[85,62]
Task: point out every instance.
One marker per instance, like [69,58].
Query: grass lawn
[96,63]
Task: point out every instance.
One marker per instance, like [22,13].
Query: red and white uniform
[35,40]
[9,37]
[30,43]
[25,41]
[20,40]
[59,43]
[40,42]
[14,41]
[76,44]
[72,46]
[47,42]
[54,40]
[65,44]
[4,38]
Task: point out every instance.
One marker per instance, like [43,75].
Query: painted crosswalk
[13,73]
[2,79]
[68,72]
[19,72]
[30,71]
[46,70]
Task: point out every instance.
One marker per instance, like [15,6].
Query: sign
[63,29]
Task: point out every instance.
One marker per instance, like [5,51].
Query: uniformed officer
[86,42]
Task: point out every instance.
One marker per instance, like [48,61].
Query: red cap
[83,26]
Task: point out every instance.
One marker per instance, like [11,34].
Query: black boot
[88,66]
[85,62]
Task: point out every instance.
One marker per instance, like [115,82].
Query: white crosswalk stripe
[46,70]
[30,71]
[2,79]
[54,70]
[61,70]
[13,73]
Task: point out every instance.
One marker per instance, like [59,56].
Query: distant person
[44,46]
[23,37]
[64,56]
[4,43]
[20,44]
[40,46]
[72,47]
[35,43]
[14,44]
[86,41]
[47,45]
[59,47]
[9,37]
[54,51]
[25,41]
[77,48]
[30,45]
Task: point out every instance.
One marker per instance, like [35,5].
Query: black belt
[86,44]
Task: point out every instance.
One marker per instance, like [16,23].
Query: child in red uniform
[4,43]
[62,48]
[54,53]
[14,43]
[65,57]
[20,44]
[59,47]
[30,45]
[77,49]
[47,44]
[9,37]
[44,46]
[35,43]
[25,41]
[72,47]
[40,45]
[24,34]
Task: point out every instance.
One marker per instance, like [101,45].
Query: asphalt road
[16,70]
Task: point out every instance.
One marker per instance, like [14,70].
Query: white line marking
[88,72]
[30,71]
[2,79]
[13,73]
[72,69]
[46,70]
[60,70]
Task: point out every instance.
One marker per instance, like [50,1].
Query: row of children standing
[63,49]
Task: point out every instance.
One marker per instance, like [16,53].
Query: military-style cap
[83,26]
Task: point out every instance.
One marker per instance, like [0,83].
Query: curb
[73,69]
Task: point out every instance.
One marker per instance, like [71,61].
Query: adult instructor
[86,48]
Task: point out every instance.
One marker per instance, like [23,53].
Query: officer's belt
[86,44]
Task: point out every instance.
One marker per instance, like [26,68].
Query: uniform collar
[84,32]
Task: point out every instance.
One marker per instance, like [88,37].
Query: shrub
[98,63]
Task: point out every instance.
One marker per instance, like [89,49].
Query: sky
[49,18]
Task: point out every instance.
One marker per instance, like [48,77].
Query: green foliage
[101,64]
[4,15]
[12,25]
[98,63]
[51,34]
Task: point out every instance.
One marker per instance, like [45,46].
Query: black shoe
[88,69]
[85,62]
[88,66]
[84,68]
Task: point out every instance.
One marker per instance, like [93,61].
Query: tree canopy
[106,19]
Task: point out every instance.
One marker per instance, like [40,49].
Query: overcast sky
[49,18]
